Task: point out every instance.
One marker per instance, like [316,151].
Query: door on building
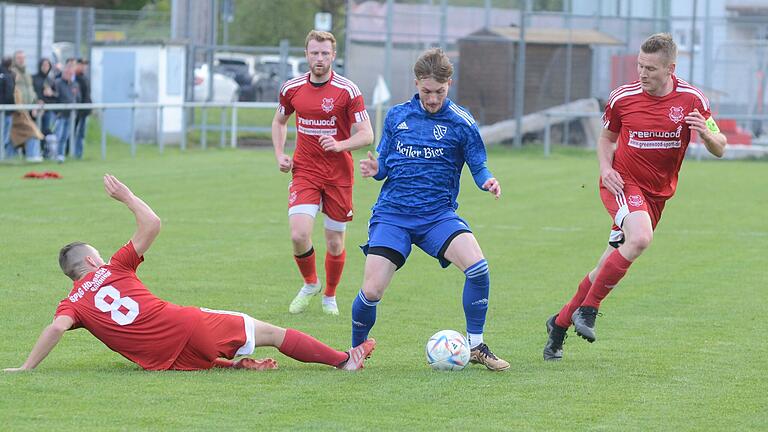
[118,84]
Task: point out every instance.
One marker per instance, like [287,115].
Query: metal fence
[228,127]
[35,28]
[512,60]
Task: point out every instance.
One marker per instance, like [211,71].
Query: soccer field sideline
[678,339]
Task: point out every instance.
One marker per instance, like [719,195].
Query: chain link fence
[512,60]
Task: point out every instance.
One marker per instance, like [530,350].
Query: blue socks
[363,318]
[475,297]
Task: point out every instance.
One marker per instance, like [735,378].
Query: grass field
[680,344]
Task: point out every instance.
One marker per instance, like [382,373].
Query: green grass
[680,343]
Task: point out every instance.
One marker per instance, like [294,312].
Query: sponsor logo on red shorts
[635,200]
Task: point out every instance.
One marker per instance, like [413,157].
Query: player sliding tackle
[111,302]
[425,143]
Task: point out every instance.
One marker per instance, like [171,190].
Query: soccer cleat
[301,301]
[553,350]
[329,306]
[253,364]
[584,322]
[357,355]
[482,354]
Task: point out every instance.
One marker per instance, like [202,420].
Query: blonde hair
[661,43]
[433,63]
[320,36]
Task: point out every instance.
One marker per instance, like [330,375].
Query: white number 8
[114,307]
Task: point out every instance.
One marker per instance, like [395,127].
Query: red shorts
[631,200]
[218,334]
[335,201]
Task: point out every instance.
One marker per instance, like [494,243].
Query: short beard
[325,71]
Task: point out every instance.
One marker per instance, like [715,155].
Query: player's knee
[372,292]
[268,334]
[640,241]
[300,237]
[335,246]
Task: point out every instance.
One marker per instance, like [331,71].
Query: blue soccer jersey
[421,156]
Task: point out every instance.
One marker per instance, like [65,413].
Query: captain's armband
[712,126]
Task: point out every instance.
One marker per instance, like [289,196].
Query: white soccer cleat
[329,306]
[358,354]
[301,301]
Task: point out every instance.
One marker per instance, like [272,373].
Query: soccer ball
[447,350]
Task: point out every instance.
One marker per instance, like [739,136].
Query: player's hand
[284,162]
[369,167]
[328,143]
[697,122]
[116,189]
[612,181]
[492,185]
[16,369]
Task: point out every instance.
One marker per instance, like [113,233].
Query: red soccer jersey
[653,134]
[330,109]
[116,307]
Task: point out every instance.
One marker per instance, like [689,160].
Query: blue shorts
[431,233]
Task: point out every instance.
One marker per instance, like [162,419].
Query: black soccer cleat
[584,322]
[553,350]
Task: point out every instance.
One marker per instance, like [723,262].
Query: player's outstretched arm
[714,140]
[45,343]
[606,147]
[279,134]
[147,222]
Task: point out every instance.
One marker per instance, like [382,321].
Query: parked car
[225,89]
[241,68]
[272,63]
[267,80]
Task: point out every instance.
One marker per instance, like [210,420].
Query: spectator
[25,132]
[83,80]
[7,87]
[44,84]
[68,93]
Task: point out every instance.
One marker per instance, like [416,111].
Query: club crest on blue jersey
[439,131]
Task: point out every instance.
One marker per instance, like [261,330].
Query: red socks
[334,266]
[307,267]
[564,317]
[305,348]
[614,268]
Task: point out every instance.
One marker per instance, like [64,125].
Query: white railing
[159,132]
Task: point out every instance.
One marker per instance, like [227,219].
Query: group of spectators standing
[41,133]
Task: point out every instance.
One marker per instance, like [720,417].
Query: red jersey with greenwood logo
[653,134]
[116,307]
[329,109]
